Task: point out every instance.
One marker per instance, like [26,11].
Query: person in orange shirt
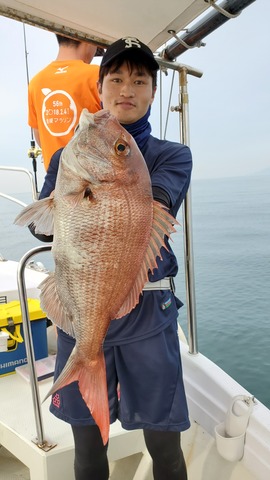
[59,92]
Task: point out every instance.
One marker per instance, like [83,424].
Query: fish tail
[93,388]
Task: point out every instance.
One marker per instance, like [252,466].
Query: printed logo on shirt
[56,400]
[61,70]
[166,304]
[59,112]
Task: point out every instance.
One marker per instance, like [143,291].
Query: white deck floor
[17,432]
[17,429]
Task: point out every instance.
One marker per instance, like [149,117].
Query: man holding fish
[112,291]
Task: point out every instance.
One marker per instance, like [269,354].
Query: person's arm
[51,175]
[161,196]
[171,175]
[170,172]
[37,136]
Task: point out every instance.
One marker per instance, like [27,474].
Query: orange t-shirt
[56,97]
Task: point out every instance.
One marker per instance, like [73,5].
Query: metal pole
[30,177]
[187,220]
[208,24]
[29,342]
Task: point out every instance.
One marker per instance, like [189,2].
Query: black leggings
[91,462]
[166,452]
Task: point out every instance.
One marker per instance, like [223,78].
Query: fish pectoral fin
[133,297]
[163,224]
[39,213]
[53,307]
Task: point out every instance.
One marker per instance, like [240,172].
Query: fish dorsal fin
[39,213]
[52,306]
[163,224]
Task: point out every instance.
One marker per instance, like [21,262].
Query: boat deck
[18,432]
[21,458]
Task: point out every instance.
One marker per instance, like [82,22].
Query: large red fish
[108,232]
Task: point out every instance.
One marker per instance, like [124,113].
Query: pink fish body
[108,232]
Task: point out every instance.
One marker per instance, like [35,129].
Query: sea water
[231,238]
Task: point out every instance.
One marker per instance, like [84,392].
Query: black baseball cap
[129,44]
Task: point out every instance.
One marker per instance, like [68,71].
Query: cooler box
[11,324]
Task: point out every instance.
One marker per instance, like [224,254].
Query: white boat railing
[41,442]
[32,183]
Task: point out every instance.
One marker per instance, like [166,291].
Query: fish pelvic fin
[39,213]
[91,377]
[53,307]
[163,225]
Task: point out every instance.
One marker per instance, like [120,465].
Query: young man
[59,92]
[142,350]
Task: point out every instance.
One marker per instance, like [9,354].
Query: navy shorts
[149,372]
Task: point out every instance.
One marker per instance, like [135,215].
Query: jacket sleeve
[172,172]
[50,178]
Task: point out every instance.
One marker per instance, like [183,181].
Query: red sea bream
[108,232]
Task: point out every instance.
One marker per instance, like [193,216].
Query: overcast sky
[229,106]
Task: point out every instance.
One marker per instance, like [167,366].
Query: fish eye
[121,147]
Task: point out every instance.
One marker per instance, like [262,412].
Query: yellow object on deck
[11,324]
